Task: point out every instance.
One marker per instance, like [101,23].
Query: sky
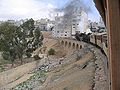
[36,9]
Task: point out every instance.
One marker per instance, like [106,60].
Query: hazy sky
[21,9]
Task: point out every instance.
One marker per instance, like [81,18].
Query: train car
[105,43]
[100,40]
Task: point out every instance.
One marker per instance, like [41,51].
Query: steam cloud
[71,9]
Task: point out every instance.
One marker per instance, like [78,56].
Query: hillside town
[67,52]
[80,24]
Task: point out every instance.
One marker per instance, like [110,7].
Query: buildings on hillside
[15,22]
[44,24]
[68,28]
[97,26]
[61,29]
[80,23]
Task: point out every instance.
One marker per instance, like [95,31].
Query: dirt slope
[71,77]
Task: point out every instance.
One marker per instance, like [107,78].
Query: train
[99,40]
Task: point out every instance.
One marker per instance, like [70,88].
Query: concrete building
[97,26]
[19,22]
[66,28]
[101,23]
[15,22]
[50,25]
[61,29]
[42,24]
[80,23]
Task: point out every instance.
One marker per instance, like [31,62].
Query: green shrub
[28,54]
[6,55]
[2,68]
[36,57]
[51,52]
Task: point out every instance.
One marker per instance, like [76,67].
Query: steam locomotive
[97,39]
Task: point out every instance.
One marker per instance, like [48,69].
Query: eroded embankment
[83,69]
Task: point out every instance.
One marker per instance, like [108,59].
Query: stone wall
[71,44]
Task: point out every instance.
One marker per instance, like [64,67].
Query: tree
[51,52]
[28,27]
[19,41]
[38,37]
[7,40]
[33,35]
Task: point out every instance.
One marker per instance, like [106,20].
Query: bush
[28,54]
[51,52]
[36,57]
[6,55]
